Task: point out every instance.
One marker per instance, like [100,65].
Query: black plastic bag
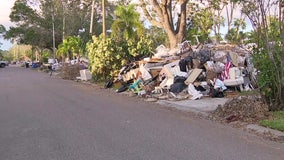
[216,93]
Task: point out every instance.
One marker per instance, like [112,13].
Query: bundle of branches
[70,72]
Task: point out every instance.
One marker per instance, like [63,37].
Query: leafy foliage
[71,46]
[32,27]
[45,55]
[235,34]
[127,24]
[269,36]
[158,36]
[2,29]
[268,60]
[235,37]
[21,52]
[201,25]
[107,55]
[5,55]
[34,21]
[1,54]
[266,77]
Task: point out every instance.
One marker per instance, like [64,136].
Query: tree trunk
[175,30]
[172,39]
[281,19]
[104,17]
[230,15]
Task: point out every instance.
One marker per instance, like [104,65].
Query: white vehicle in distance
[3,64]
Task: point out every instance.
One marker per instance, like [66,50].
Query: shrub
[108,55]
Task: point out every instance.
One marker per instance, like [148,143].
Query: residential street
[47,118]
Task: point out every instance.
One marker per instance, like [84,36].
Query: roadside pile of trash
[189,72]
[250,109]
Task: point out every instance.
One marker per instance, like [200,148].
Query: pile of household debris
[214,70]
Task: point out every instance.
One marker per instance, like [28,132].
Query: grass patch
[276,122]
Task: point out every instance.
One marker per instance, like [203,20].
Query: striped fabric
[225,72]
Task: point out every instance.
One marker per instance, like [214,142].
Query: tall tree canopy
[31,26]
[34,20]
[176,17]
[2,30]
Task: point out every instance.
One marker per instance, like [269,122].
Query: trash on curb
[205,70]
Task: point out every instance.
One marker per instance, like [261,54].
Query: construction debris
[192,71]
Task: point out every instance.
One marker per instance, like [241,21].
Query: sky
[5,9]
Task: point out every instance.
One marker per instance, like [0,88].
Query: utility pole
[92,18]
[63,21]
[281,19]
[104,17]
[53,34]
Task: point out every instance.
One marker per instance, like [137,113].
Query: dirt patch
[248,109]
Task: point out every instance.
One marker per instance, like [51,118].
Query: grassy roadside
[276,122]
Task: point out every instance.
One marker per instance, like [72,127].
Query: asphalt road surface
[47,118]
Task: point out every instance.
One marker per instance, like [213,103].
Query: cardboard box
[193,75]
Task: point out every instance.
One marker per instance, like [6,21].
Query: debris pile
[188,72]
[70,72]
[250,109]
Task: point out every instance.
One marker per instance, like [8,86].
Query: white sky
[5,9]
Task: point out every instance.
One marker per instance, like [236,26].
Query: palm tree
[63,50]
[239,23]
[235,35]
[71,47]
[127,24]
